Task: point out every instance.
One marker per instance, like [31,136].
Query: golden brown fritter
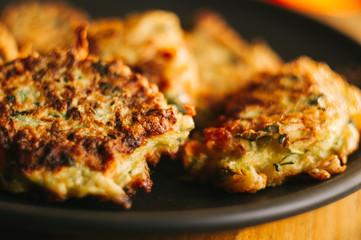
[43,26]
[82,127]
[106,37]
[8,45]
[153,43]
[303,118]
[225,60]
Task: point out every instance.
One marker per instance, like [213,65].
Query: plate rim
[181,221]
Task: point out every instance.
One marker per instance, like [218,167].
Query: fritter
[304,118]
[76,127]
[226,61]
[8,45]
[43,26]
[152,43]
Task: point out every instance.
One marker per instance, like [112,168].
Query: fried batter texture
[43,26]
[153,43]
[302,118]
[225,60]
[82,127]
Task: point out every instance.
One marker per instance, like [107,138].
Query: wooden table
[339,220]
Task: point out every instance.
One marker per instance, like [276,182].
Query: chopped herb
[276,167]
[250,136]
[287,156]
[23,96]
[111,136]
[314,100]
[286,163]
[272,128]
[179,140]
[11,98]
[66,160]
[117,89]
[14,113]
[282,138]
[103,69]
[55,115]
[104,87]
[37,104]
[292,77]
[281,163]
[341,162]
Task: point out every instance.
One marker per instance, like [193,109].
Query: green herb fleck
[66,160]
[282,138]
[276,167]
[111,136]
[313,101]
[292,77]
[286,163]
[249,136]
[281,163]
[272,128]
[102,68]
[11,98]
[23,96]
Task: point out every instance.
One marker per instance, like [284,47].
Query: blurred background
[344,15]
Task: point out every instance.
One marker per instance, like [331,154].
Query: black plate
[176,204]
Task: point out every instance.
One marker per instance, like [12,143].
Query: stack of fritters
[78,116]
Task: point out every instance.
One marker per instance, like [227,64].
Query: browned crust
[52,144]
[305,108]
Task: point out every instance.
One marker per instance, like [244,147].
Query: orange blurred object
[327,7]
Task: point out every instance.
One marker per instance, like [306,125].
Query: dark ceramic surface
[178,205]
